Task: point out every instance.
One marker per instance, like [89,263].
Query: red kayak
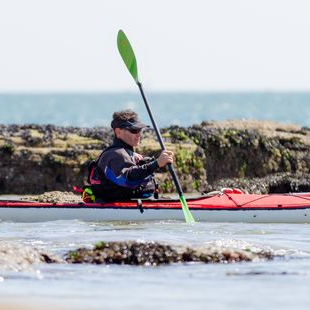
[224,206]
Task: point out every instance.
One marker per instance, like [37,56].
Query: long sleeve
[122,169]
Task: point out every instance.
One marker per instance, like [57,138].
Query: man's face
[131,137]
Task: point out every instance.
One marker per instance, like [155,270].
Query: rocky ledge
[256,156]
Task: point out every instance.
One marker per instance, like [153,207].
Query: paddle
[129,59]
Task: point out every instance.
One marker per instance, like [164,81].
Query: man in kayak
[119,173]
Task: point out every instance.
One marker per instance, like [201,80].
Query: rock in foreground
[19,257]
[153,253]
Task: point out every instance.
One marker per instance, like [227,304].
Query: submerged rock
[18,257]
[154,253]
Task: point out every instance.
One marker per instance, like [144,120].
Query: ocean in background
[171,108]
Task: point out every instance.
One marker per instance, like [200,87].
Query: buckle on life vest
[88,195]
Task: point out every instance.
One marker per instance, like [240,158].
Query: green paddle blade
[127,54]
[187,214]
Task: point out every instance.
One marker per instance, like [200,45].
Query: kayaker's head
[127,127]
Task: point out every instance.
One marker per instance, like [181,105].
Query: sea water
[282,283]
[184,109]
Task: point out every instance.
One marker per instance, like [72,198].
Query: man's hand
[164,158]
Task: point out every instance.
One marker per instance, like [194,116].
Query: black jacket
[119,173]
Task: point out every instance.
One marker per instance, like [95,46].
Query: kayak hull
[282,208]
[249,216]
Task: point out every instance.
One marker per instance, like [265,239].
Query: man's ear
[117,132]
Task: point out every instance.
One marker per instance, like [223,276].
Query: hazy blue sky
[70,45]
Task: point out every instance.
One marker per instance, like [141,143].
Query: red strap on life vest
[77,189]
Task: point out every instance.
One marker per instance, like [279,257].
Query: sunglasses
[134,131]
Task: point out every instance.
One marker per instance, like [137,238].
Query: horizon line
[88,92]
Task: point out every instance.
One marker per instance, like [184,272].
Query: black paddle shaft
[161,142]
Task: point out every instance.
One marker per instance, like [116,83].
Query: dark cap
[133,123]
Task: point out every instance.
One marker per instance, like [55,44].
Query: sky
[180,45]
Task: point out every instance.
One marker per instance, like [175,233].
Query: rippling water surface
[281,283]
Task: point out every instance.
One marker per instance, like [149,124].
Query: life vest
[104,186]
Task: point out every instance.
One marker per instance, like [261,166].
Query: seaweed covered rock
[252,151]
[39,158]
[154,253]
